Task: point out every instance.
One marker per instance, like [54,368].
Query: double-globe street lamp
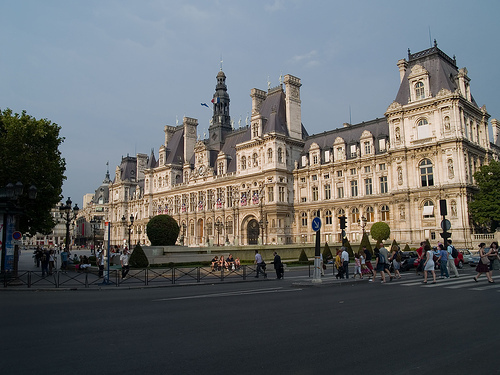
[68,214]
[129,226]
[11,207]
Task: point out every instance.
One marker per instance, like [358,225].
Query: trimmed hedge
[162,230]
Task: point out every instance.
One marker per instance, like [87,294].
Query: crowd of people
[229,263]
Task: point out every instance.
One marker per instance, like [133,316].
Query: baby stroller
[340,273]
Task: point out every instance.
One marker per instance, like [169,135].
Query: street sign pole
[316,225]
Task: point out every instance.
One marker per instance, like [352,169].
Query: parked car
[466,255]
[409,260]
[459,260]
[474,259]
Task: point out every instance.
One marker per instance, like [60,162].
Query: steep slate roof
[232,139]
[175,148]
[350,134]
[442,73]
[273,110]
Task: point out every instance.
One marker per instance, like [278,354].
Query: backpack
[454,252]
[381,258]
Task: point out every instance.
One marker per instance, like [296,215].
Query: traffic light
[342,222]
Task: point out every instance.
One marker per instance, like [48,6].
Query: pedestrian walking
[483,265]
[385,258]
[379,265]
[357,266]
[452,255]
[261,265]
[421,258]
[494,257]
[345,261]
[396,261]
[100,262]
[278,266]
[443,259]
[124,259]
[364,270]
[44,261]
[52,261]
[368,260]
[429,264]
[64,260]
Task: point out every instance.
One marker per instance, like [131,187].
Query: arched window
[243,162]
[370,214]
[328,217]
[269,155]
[423,129]
[280,155]
[428,209]
[340,212]
[384,210]
[354,215]
[426,174]
[419,91]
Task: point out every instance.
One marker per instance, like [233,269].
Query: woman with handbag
[484,263]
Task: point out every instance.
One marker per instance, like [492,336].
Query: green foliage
[365,242]
[303,257]
[394,245]
[29,152]
[327,253]
[485,206]
[347,244]
[138,259]
[162,230]
[380,231]
[407,248]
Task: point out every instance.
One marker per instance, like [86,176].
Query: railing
[135,277]
[484,236]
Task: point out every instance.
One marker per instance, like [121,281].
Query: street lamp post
[94,224]
[218,228]
[129,226]
[68,214]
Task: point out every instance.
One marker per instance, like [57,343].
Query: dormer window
[419,91]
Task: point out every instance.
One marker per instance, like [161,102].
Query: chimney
[402,65]
[258,96]
[293,106]
[190,126]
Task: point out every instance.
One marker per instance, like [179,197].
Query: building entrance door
[253,232]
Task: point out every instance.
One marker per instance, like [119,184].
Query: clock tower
[221,121]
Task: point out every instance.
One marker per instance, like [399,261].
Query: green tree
[365,242]
[327,253]
[380,231]
[138,259]
[407,248]
[348,246]
[303,256]
[162,230]
[394,245]
[485,206]
[29,153]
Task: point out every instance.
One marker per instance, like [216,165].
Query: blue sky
[112,73]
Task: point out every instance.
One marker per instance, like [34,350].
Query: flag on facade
[200,206]
[243,199]
[255,198]
[159,209]
[216,100]
[183,207]
[205,105]
[219,203]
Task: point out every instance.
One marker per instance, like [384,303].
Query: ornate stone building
[265,182]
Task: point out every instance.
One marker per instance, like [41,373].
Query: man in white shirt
[345,260]
[261,266]
[124,258]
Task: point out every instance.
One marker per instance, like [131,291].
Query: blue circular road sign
[316,224]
